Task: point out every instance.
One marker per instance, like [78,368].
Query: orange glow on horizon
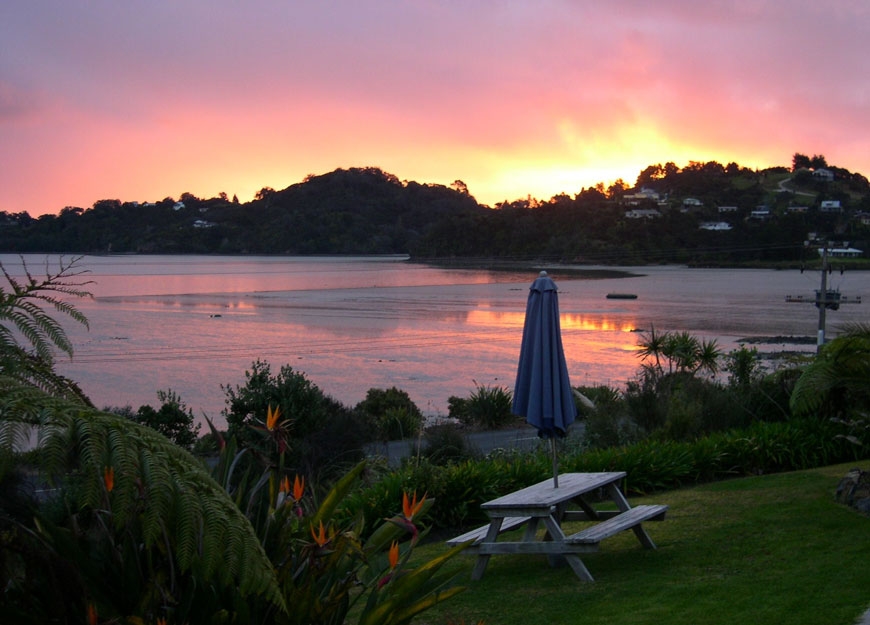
[568,322]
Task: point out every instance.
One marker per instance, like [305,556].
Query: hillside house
[842,252]
[642,213]
[797,209]
[830,206]
[760,213]
[645,194]
[715,226]
[727,209]
[825,175]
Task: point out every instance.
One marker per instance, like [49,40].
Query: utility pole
[825,298]
[822,301]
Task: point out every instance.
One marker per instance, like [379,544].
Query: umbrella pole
[555,463]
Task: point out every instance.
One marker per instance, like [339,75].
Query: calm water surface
[194,323]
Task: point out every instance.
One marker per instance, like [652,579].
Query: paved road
[524,438]
[782,187]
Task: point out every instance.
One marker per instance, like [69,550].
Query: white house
[642,213]
[797,209]
[727,209]
[842,252]
[715,225]
[645,193]
[826,175]
[830,206]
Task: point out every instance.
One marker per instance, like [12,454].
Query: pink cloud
[159,98]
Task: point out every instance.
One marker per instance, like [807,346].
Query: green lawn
[771,549]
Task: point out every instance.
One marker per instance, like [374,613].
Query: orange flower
[412,507]
[161,620]
[272,417]
[285,485]
[109,478]
[92,614]
[394,554]
[298,488]
[319,537]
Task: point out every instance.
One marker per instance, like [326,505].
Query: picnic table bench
[544,503]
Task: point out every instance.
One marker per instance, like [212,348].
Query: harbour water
[195,323]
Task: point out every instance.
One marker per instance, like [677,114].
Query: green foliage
[682,352]
[366,210]
[29,334]
[670,401]
[837,382]
[391,414]
[173,419]
[322,436]
[135,524]
[134,529]
[651,465]
[446,444]
[457,408]
[744,551]
[606,423]
[743,366]
[331,563]
[488,407]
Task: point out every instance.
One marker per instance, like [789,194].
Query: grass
[770,549]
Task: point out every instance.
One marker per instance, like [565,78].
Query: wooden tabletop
[544,494]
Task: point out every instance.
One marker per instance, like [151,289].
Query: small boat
[621,296]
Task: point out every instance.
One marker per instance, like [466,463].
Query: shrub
[644,402]
[390,413]
[457,408]
[607,424]
[445,444]
[460,488]
[743,366]
[323,436]
[489,407]
[173,419]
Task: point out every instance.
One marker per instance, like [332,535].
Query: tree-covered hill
[703,212]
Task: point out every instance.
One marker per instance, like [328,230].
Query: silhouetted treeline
[768,214]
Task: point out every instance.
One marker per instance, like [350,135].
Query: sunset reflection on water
[193,324]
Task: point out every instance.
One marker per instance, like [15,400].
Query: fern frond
[14,435]
[24,308]
[178,493]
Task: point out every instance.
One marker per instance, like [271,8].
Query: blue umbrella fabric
[542,393]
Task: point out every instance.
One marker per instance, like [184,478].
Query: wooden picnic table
[544,503]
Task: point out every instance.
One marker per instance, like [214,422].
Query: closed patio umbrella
[542,393]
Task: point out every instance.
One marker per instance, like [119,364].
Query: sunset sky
[147,99]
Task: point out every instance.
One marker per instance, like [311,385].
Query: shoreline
[583,272]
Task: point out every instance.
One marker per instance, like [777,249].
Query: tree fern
[838,380]
[29,335]
[159,488]
[22,306]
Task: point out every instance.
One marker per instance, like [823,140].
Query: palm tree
[652,345]
[681,350]
[707,357]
